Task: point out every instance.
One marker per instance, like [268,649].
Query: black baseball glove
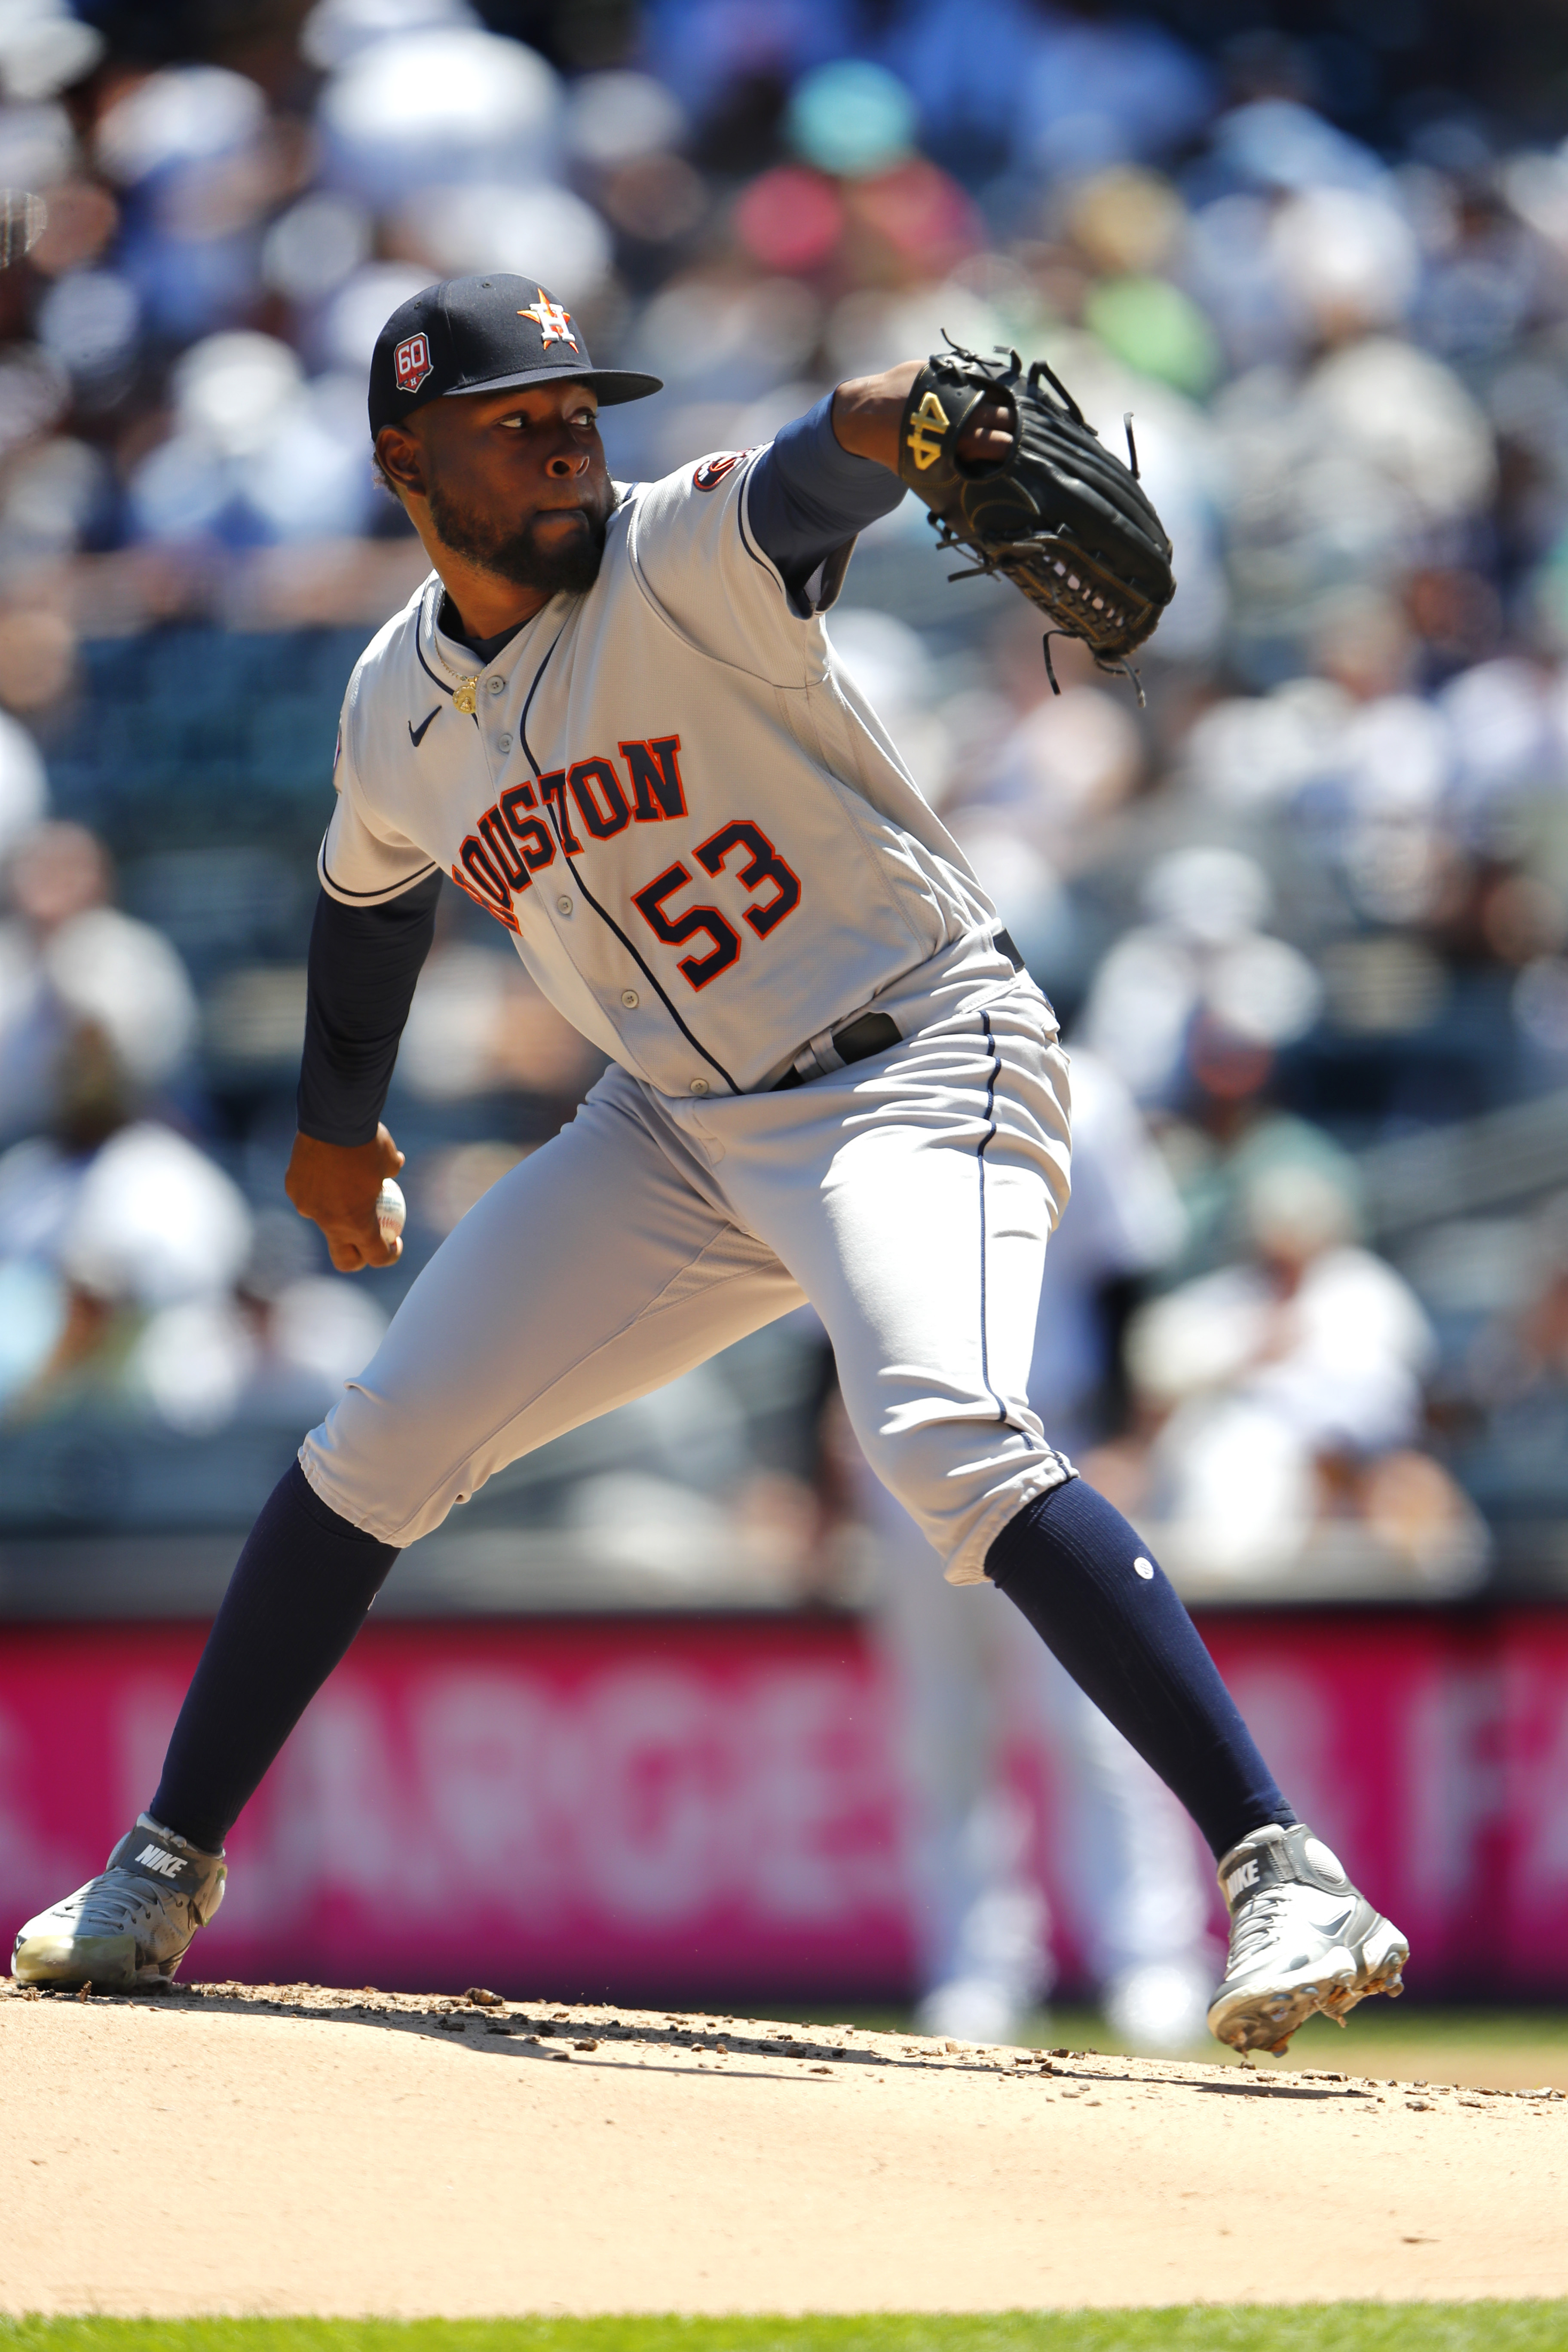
[1063,519]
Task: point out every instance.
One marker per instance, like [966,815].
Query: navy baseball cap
[484,334]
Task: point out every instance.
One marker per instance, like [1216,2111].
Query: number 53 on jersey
[513,842]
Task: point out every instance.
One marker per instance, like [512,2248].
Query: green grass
[1294,2327]
[1514,2050]
[1501,2049]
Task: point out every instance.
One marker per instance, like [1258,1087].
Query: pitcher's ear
[400,460]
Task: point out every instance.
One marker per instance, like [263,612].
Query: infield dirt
[225,2148]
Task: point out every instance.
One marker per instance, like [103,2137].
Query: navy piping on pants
[979,1161]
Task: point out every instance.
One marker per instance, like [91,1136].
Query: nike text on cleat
[1302,1941]
[132,1925]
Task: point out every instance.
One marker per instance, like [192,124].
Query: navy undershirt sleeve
[807,495]
[365,962]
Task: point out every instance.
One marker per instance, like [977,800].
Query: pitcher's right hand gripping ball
[1061,518]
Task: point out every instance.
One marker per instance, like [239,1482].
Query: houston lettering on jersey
[511,843]
[494,872]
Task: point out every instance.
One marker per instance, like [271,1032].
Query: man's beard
[517,555]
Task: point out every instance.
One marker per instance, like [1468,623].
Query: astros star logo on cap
[552,322]
[472,335]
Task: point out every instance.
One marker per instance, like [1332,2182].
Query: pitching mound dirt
[235,2149]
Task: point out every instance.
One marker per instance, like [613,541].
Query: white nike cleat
[1301,1940]
[131,1927]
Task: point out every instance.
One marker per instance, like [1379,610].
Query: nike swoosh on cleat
[416,734]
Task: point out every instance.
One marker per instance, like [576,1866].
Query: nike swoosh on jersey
[416,734]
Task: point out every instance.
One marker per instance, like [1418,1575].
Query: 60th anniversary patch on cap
[485,334]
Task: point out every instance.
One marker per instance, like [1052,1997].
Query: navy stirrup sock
[297,1598]
[306,1578]
[1094,1595]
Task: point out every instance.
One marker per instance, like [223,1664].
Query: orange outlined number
[762,864]
[649,904]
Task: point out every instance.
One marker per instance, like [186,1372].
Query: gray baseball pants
[908,1197]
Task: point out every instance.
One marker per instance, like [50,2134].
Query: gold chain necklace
[465,694]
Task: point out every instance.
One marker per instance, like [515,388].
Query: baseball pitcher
[613,716]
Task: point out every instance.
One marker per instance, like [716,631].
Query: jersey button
[503,742]
[494,685]
[699,1085]
[630,999]
[565,903]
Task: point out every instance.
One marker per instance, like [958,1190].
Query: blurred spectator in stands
[277,1347]
[479,1024]
[68,956]
[1523,1351]
[1228,1131]
[1205,953]
[257,453]
[1280,1399]
[1129,228]
[134,1278]
[104,1221]
[1352,454]
[24,786]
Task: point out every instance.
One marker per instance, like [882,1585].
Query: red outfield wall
[656,1806]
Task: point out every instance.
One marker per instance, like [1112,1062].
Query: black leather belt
[873,1033]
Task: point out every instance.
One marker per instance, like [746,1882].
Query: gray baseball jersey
[668,791]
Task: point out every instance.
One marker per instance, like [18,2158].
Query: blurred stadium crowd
[1305,916]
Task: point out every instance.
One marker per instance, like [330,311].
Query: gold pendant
[464,696]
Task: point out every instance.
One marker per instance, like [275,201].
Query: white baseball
[391,1209]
